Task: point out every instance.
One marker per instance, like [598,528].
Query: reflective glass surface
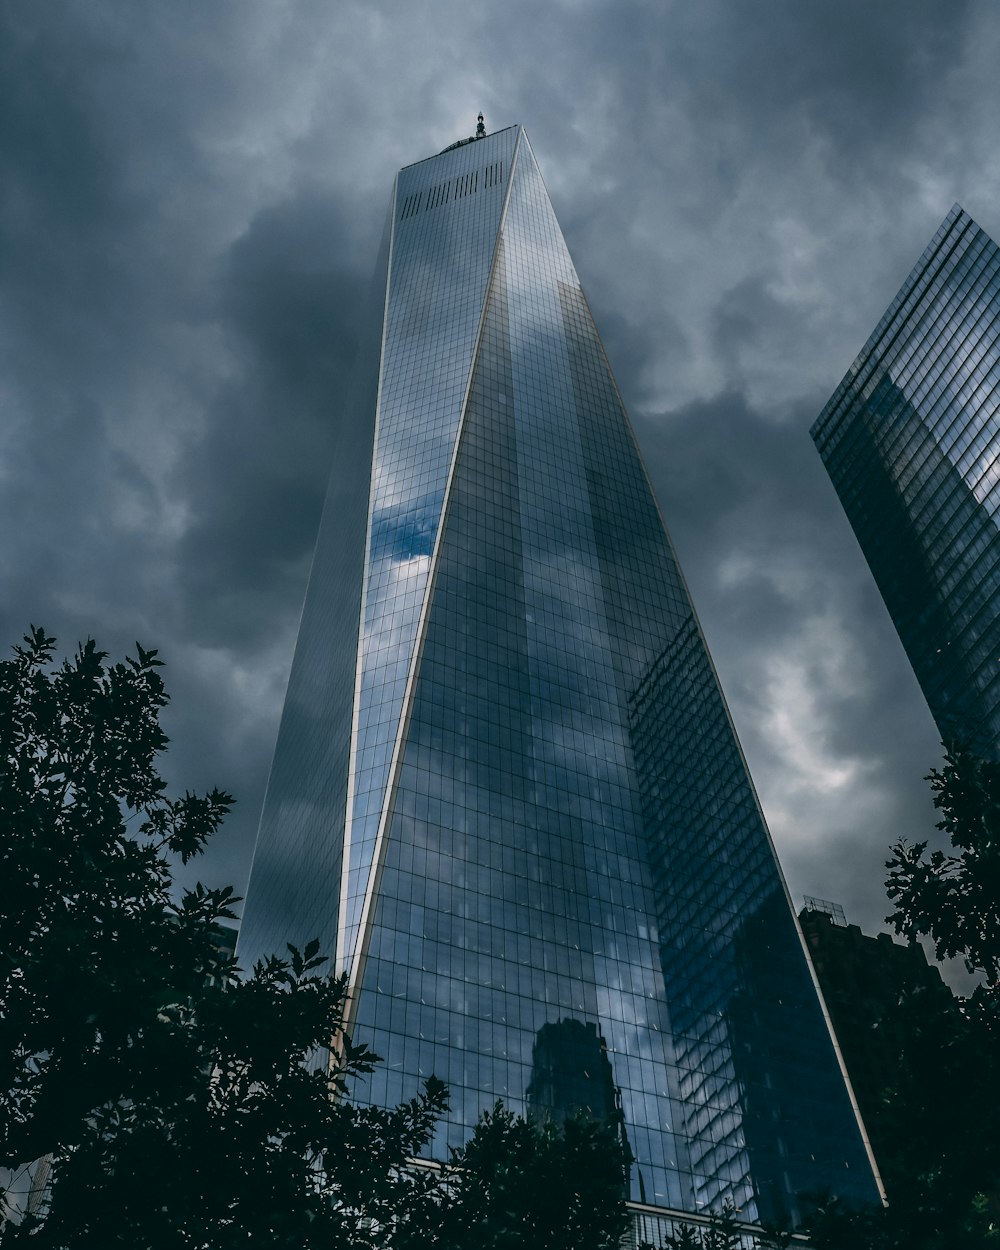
[294,888]
[557,888]
[576,902]
[445,232]
[910,440]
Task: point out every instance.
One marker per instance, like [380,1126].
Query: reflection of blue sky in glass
[439,268]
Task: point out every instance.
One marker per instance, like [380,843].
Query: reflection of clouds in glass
[518,913]
[398,534]
[985,475]
[398,578]
[437,287]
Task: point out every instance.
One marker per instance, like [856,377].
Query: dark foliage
[938,1123]
[955,899]
[521,1183]
[933,1115]
[173,1100]
[721,1233]
[170,1103]
[836,1227]
[723,1230]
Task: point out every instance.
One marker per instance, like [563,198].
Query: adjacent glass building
[506,789]
[910,440]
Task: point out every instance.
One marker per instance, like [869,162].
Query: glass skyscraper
[910,440]
[506,789]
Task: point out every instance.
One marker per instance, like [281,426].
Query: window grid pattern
[294,888]
[440,264]
[578,904]
[910,440]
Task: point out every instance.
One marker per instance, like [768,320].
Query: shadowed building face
[506,788]
[911,440]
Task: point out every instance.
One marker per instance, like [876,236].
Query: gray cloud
[829,714]
[190,203]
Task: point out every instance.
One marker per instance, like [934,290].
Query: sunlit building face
[506,791]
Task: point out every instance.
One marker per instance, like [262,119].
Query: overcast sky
[191,196]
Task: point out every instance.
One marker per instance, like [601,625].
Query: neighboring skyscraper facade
[910,440]
[506,787]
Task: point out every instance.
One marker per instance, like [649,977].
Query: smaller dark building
[864,979]
[225,938]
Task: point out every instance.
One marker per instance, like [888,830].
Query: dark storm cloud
[259,471]
[828,713]
[862,75]
[190,203]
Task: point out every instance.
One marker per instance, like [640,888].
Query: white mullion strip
[375,874]
[345,862]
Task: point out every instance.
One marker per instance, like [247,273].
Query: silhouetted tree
[950,1069]
[155,1098]
[520,1183]
[941,1153]
[171,1098]
[723,1230]
[955,899]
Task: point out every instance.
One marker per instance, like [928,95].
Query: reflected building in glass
[506,789]
[910,440]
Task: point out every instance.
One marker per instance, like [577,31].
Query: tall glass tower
[911,440]
[506,788]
